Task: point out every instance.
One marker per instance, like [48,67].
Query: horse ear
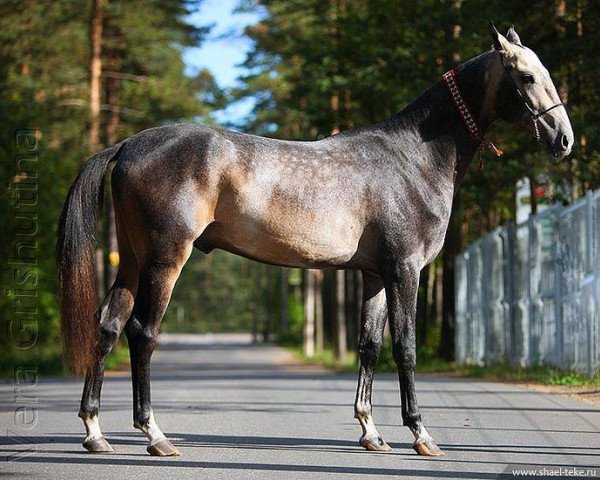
[500,41]
[512,36]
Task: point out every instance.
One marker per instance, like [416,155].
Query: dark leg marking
[374,314]
[157,280]
[113,314]
[402,282]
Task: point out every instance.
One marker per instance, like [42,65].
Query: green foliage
[44,65]
[315,67]
[296,317]
[320,67]
[327,358]
[217,293]
[378,56]
[428,362]
[118,359]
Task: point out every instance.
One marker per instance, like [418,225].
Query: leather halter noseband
[535,116]
[475,133]
[450,80]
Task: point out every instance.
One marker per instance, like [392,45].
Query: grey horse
[375,199]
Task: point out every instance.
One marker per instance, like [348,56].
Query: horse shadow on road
[42,451]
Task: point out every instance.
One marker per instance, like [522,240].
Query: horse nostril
[564,141]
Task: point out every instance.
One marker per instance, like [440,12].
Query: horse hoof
[374,444]
[98,445]
[428,448]
[163,448]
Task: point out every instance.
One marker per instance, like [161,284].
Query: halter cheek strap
[450,80]
[535,116]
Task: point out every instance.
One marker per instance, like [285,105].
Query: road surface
[238,411]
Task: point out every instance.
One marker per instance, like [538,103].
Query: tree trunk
[334,103]
[256,308]
[269,286]
[319,311]
[453,236]
[576,185]
[112,137]
[95,74]
[348,109]
[438,312]
[358,298]
[342,342]
[309,314]
[283,303]
[431,301]
[94,105]
[297,291]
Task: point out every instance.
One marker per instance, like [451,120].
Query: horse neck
[441,135]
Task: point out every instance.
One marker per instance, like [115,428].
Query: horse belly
[289,236]
[296,243]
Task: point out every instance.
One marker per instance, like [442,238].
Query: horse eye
[528,78]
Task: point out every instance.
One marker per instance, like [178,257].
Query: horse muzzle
[562,144]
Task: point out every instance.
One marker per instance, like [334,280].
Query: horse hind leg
[114,313]
[374,314]
[156,282]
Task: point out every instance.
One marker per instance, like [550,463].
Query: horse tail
[77,283]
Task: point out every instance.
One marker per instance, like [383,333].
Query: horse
[375,199]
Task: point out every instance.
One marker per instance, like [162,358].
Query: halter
[535,116]
[475,133]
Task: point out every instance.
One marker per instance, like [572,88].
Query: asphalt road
[242,411]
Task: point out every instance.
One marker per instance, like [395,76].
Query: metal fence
[527,294]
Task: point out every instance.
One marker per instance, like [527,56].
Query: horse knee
[369,350]
[140,337]
[405,358]
[147,338]
[109,335]
[113,313]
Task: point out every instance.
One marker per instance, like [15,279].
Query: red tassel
[495,149]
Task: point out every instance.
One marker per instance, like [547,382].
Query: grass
[48,361]
[327,358]
[119,357]
[546,375]
[427,362]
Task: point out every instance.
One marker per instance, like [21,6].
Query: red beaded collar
[450,80]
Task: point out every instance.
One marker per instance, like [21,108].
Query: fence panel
[573,252]
[461,325]
[543,289]
[519,300]
[527,294]
[476,329]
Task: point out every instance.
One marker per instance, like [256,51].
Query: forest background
[76,76]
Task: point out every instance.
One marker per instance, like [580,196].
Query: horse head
[527,96]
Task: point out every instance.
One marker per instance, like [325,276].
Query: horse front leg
[401,284]
[373,317]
